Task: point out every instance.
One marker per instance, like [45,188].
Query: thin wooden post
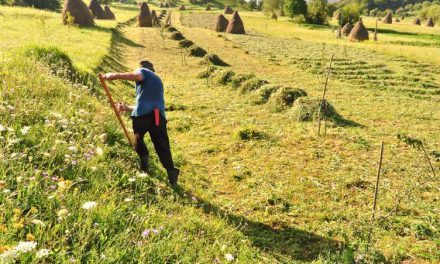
[112,104]
[323,94]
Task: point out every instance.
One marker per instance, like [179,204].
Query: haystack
[97,10]
[161,5]
[284,98]
[228,10]
[108,13]
[144,18]
[167,5]
[388,19]
[182,8]
[346,29]
[274,16]
[235,25]
[75,11]
[155,19]
[208,8]
[221,24]
[417,21]
[359,32]
[430,22]
[397,20]
[309,108]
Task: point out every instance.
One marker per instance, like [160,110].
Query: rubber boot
[173,176]
[144,163]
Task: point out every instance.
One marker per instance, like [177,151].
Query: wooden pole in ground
[323,94]
[113,105]
[376,194]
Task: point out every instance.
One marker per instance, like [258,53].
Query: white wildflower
[63,213]
[99,151]
[25,130]
[89,205]
[42,253]
[142,175]
[73,149]
[2,128]
[8,257]
[24,247]
[38,222]
[229,257]
[6,191]
[128,200]
[131,179]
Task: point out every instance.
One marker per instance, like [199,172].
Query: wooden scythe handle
[112,104]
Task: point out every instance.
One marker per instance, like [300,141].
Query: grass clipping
[308,108]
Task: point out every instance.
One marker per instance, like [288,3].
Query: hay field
[257,185]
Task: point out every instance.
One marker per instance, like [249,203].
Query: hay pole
[324,93]
[112,104]
[376,194]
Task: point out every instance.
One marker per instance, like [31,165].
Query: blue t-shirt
[149,94]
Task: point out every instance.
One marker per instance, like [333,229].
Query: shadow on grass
[282,243]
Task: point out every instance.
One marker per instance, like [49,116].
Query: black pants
[159,137]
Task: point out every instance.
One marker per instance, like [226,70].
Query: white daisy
[89,205]
[229,257]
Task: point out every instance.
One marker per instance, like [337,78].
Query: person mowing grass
[148,115]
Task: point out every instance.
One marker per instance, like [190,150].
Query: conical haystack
[228,10]
[144,18]
[97,10]
[155,19]
[397,20]
[182,8]
[221,23]
[417,21]
[108,13]
[430,22]
[208,8]
[359,32]
[235,25]
[388,19]
[161,5]
[77,12]
[346,29]
[274,16]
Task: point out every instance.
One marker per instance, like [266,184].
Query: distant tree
[350,12]
[44,4]
[7,2]
[295,8]
[270,6]
[317,12]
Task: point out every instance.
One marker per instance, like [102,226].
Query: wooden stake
[112,104]
[323,94]
[376,194]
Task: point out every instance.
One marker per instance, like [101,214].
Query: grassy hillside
[257,185]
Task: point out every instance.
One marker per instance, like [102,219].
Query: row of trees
[42,4]
[315,12]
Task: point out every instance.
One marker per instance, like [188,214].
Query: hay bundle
[155,19]
[144,18]
[417,21]
[221,24]
[397,20]
[274,16]
[176,36]
[228,10]
[208,8]
[196,51]
[161,5]
[346,29]
[185,43]
[167,5]
[97,10]
[182,8]
[170,28]
[388,19]
[235,25]
[359,32]
[75,11]
[430,22]
[213,59]
[308,109]
[163,12]
[108,13]
[284,98]
[262,95]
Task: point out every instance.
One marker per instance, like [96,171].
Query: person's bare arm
[128,76]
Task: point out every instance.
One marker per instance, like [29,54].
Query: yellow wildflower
[30,237]
[33,210]
[4,248]
[3,229]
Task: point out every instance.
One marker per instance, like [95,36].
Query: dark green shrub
[285,97]
[252,85]
[43,4]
